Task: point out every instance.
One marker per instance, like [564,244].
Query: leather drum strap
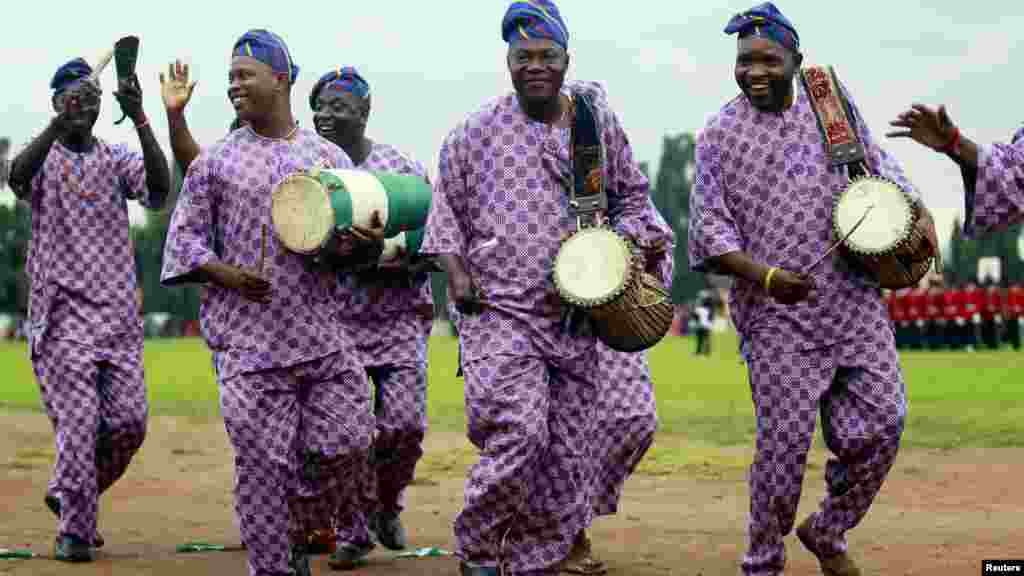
[843,144]
[587,197]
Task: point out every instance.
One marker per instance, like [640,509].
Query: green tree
[15,225]
[671,194]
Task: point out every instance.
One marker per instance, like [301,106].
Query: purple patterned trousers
[301,437]
[627,420]
[527,497]
[863,410]
[97,404]
[400,410]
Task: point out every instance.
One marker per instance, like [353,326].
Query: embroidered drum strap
[587,197]
[835,117]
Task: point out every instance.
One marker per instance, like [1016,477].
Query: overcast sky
[666,64]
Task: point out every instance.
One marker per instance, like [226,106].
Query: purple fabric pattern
[96,402]
[627,418]
[389,317]
[294,396]
[763,186]
[865,404]
[81,262]
[998,199]
[500,205]
[222,213]
[85,334]
[301,436]
[528,496]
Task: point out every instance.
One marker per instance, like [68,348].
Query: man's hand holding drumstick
[250,283]
[783,286]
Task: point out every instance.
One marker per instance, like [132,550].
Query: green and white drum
[309,209]
[410,242]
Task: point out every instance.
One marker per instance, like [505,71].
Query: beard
[779,90]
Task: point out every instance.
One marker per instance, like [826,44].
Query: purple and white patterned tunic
[998,192]
[500,205]
[390,319]
[223,214]
[764,187]
[81,263]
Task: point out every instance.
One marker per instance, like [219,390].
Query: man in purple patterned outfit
[761,212]
[993,175]
[293,395]
[85,331]
[500,212]
[389,312]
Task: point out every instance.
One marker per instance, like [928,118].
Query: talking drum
[310,209]
[628,308]
[879,224]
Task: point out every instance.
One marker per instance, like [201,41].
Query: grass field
[956,399]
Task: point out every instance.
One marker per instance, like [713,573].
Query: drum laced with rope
[887,243]
[596,270]
[877,222]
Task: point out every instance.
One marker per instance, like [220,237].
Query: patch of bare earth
[941,512]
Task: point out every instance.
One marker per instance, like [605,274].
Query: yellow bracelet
[768,279]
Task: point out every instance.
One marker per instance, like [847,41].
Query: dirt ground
[940,513]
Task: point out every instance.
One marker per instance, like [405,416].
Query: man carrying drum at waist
[389,313]
[761,211]
[293,394]
[500,213]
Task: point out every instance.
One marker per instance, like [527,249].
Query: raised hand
[175,88]
[129,96]
[932,128]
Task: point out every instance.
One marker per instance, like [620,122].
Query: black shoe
[470,569]
[348,557]
[390,532]
[70,548]
[299,562]
[53,503]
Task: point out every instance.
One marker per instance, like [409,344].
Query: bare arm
[27,163]
[183,145]
[158,175]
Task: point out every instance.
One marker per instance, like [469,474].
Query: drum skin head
[301,214]
[888,223]
[593,267]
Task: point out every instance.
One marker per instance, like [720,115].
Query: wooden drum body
[629,309]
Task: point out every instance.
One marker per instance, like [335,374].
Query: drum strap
[843,144]
[587,197]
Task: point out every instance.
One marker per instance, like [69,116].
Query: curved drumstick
[838,242]
[102,63]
